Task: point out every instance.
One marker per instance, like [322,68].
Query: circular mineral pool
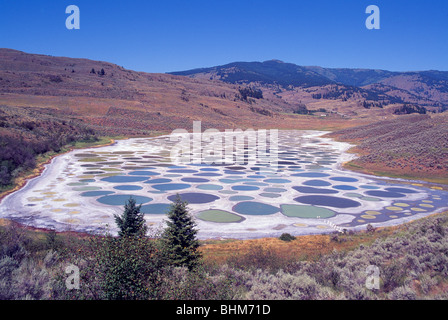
[301,211]
[183,171]
[384,194]
[209,169]
[344,187]
[121,199]
[328,201]
[277,180]
[194,198]
[275,190]
[317,183]
[123,179]
[128,187]
[369,187]
[270,195]
[87,188]
[233,172]
[228,192]
[236,168]
[245,188]
[143,173]
[344,179]
[96,193]
[160,180]
[401,190]
[219,216]
[241,198]
[311,174]
[207,174]
[256,183]
[171,186]
[155,208]
[314,190]
[210,187]
[255,208]
[195,180]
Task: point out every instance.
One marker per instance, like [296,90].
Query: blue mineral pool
[155,208]
[400,190]
[121,199]
[317,183]
[123,179]
[314,190]
[207,174]
[328,201]
[160,180]
[128,187]
[96,193]
[344,187]
[277,180]
[195,180]
[143,173]
[311,174]
[385,194]
[209,187]
[245,188]
[344,179]
[183,171]
[195,198]
[241,198]
[255,208]
[171,186]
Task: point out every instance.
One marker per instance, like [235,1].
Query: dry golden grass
[303,247]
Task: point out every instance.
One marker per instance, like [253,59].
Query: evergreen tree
[180,236]
[131,222]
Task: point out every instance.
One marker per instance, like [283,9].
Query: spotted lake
[307,192]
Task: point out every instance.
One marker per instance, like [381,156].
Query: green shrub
[124,268]
[287,237]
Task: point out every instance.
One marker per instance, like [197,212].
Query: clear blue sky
[172,35]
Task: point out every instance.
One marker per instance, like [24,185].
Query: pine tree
[131,222]
[180,236]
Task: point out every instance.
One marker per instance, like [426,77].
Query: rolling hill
[344,90]
[47,102]
[116,101]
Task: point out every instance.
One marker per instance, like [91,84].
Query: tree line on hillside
[22,139]
[245,93]
[409,109]
[302,109]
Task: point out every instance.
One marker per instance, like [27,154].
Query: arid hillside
[120,101]
[354,93]
[409,146]
[47,102]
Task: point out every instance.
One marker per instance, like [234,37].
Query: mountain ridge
[427,88]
